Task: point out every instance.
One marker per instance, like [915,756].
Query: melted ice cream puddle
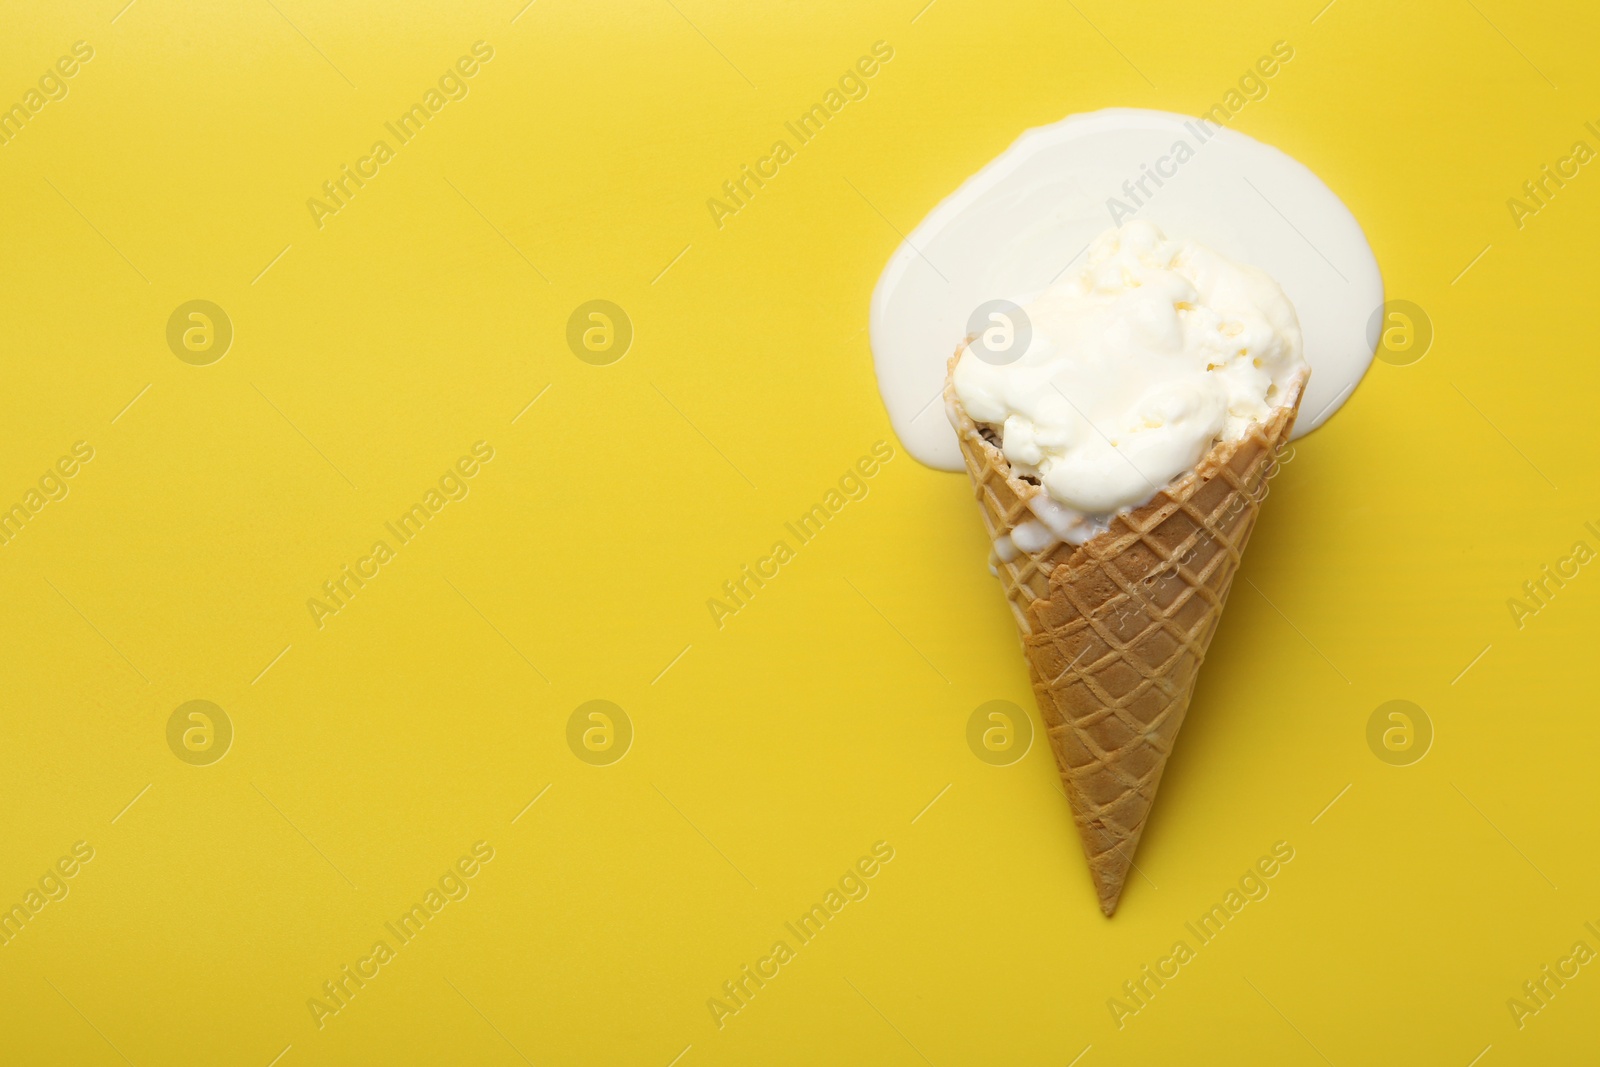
[1027,218]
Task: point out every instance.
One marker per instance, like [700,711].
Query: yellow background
[828,713]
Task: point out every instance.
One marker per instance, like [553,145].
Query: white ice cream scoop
[1129,370]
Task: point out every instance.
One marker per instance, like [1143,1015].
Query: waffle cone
[1115,629]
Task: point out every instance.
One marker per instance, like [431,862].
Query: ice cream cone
[1115,629]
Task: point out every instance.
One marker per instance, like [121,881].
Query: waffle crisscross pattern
[1115,629]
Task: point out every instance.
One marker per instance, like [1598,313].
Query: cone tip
[1109,880]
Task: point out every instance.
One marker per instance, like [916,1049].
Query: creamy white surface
[1014,227]
[1139,363]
